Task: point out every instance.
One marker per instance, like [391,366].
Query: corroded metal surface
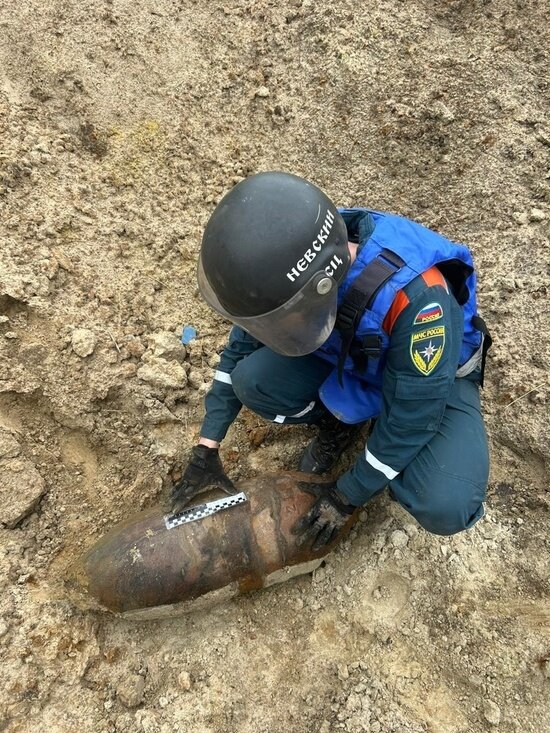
[142,564]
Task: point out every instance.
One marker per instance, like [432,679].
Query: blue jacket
[359,399]
[407,388]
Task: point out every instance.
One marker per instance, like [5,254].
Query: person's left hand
[325,518]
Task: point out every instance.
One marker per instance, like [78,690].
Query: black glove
[325,518]
[204,469]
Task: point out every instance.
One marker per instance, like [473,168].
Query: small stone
[184,681]
[195,379]
[441,112]
[542,136]
[213,361]
[196,353]
[135,347]
[21,489]
[411,529]
[83,342]
[545,666]
[519,521]
[520,217]
[130,690]
[262,92]
[537,215]
[203,389]
[11,335]
[128,370]
[491,712]
[62,260]
[444,549]
[164,374]
[319,575]
[4,319]
[488,530]
[4,628]
[257,435]
[398,538]
[148,721]
[9,447]
[343,672]
[163,702]
[166,345]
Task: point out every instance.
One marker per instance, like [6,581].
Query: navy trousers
[443,487]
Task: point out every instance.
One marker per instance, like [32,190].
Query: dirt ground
[121,124]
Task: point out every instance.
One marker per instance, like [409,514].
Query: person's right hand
[203,470]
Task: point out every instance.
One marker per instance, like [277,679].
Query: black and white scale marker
[200,511]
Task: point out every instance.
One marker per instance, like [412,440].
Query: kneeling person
[342,316]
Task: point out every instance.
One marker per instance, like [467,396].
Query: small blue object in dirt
[189,333]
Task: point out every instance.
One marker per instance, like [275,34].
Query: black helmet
[273,254]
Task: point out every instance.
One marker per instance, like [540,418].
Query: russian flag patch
[429,313]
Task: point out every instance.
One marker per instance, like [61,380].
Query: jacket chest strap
[359,297]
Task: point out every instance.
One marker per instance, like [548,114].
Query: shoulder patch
[426,348]
[430,312]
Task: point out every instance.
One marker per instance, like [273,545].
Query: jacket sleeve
[420,370]
[221,404]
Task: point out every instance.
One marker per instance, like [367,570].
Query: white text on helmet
[311,252]
[331,268]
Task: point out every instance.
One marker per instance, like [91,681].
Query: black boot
[324,450]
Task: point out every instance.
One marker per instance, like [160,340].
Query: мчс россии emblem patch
[427,348]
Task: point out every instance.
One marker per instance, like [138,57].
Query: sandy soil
[121,124]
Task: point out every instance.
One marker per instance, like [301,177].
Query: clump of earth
[121,126]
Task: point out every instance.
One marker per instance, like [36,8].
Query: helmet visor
[295,328]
